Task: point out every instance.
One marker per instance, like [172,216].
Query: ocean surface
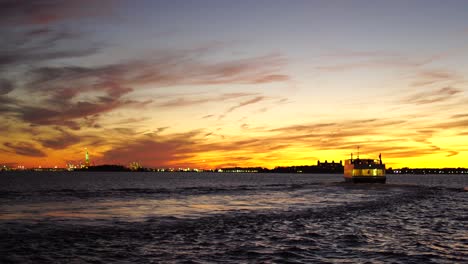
[82,217]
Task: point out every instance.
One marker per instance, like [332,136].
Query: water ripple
[273,223]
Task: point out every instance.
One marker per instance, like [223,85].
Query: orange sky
[230,84]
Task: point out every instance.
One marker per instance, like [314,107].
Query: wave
[412,224]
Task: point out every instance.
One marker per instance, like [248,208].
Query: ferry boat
[364,170]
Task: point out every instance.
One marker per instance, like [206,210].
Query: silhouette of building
[321,167]
[332,167]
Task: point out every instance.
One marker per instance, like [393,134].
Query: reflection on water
[192,205]
[210,218]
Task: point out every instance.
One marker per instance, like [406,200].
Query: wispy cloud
[386,62]
[68,115]
[459,116]
[354,59]
[25,149]
[427,77]
[19,47]
[59,140]
[185,101]
[246,102]
[452,153]
[433,96]
[62,87]
[457,124]
[75,96]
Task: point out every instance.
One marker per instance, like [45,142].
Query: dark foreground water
[231,218]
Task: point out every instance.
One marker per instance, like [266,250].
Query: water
[231,218]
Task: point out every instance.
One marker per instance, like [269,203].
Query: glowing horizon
[213,84]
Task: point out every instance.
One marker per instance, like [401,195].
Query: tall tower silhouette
[87,158]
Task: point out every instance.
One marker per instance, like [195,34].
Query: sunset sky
[209,84]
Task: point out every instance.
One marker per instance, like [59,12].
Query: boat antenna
[357,152]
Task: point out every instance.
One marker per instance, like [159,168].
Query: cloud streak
[434,96]
[63,140]
[44,12]
[246,103]
[62,87]
[183,101]
[25,149]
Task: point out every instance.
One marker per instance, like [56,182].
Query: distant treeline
[105,168]
[292,169]
[428,171]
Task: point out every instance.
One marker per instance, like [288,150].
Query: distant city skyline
[217,83]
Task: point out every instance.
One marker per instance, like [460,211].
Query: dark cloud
[62,140]
[43,12]
[163,69]
[176,150]
[57,78]
[62,85]
[6,86]
[150,150]
[73,95]
[25,149]
[22,48]
[8,104]
[4,108]
[21,56]
[60,88]
[69,114]
[70,96]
